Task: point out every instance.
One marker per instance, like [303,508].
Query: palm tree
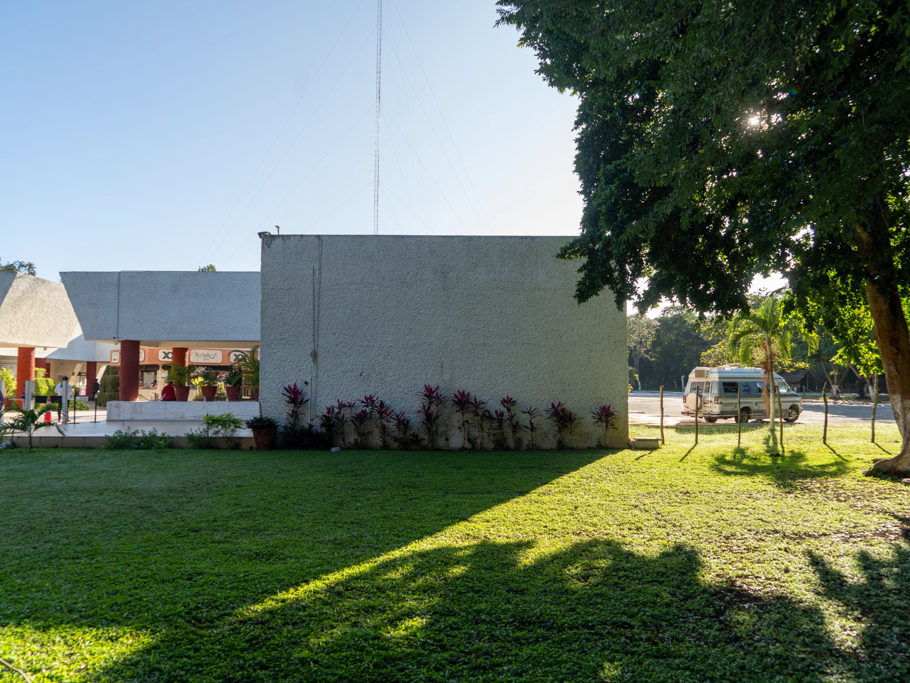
[761,336]
[27,421]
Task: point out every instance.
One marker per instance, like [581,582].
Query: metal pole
[697,405]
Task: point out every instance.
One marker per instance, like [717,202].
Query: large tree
[717,140]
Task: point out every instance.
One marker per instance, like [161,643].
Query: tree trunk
[893,340]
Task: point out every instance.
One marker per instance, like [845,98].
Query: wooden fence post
[874,407]
[739,415]
[662,414]
[825,399]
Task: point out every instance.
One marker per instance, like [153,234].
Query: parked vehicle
[718,388]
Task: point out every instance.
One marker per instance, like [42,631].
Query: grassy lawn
[678,564]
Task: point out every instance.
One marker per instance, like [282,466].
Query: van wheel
[711,420]
[792,414]
[744,415]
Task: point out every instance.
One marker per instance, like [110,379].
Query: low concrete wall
[187,411]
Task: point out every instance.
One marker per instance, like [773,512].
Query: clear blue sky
[164,135]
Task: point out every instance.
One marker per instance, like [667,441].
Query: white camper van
[717,391]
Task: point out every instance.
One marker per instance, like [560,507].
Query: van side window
[730,388]
[747,388]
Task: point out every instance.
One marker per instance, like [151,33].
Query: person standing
[168,393]
[62,389]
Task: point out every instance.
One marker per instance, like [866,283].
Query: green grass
[685,563]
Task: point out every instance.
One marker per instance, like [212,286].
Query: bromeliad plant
[462,402]
[604,416]
[430,412]
[564,419]
[532,413]
[293,396]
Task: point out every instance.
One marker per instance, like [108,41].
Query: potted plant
[209,384]
[249,367]
[180,376]
[233,382]
[264,431]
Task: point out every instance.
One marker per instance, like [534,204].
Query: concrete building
[356,315]
[140,311]
[39,329]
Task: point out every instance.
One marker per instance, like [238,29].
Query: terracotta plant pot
[208,393]
[182,393]
[233,393]
[264,439]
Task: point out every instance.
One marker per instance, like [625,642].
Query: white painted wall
[386,314]
[172,307]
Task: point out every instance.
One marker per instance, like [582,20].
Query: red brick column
[25,368]
[46,364]
[178,355]
[129,370]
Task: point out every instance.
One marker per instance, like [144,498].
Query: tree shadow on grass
[783,470]
[882,597]
[490,611]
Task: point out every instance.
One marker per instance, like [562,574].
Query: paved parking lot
[644,408]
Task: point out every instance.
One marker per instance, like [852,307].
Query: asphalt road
[644,407]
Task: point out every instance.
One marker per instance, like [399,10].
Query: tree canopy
[26,267]
[720,140]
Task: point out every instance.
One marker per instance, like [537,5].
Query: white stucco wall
[34,312]
[171,307]
[353,315]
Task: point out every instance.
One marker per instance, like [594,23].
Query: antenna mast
[378,101]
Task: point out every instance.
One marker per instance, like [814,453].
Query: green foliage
[137,440]
[210,268]
[26,267]
[109,386]
[44,386]
[706,565]
[249,365]
[678,343]
[9,383]
[217,431]
[234,376]
[28,421]
[180,374]
[716,142]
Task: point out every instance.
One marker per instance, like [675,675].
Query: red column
[25,368]
[129,370]
[91,374]
[178,355]
[44,363]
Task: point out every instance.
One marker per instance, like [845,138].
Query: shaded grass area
[702,563]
